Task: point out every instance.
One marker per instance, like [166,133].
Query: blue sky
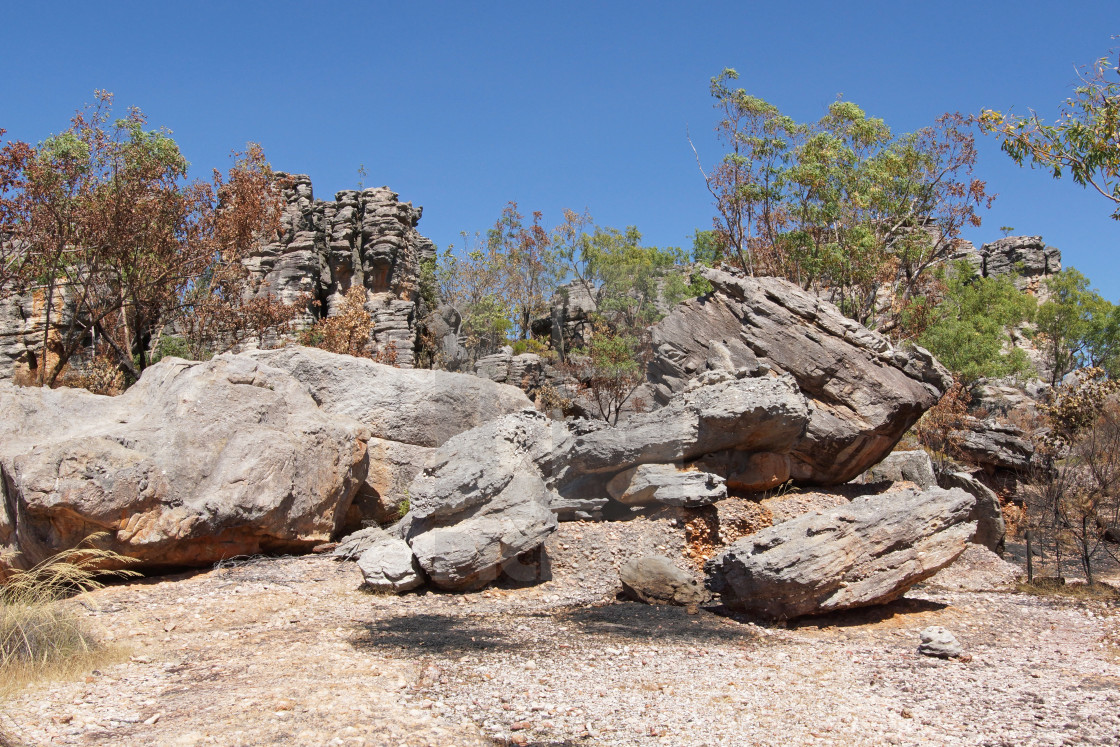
[461,107]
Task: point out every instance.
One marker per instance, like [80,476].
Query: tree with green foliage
[1077,328]
[841,205]
[1084,142]
[970,333]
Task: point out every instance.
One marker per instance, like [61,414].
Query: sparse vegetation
[40,635]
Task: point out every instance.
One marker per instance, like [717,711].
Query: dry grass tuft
[41,636]
[1050,587]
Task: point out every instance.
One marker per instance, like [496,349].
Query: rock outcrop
[863,392]
[482,499]
[867,552]
[387,563]
[908,466]
[409,412]
[195,463]
[993,445]
[366,239]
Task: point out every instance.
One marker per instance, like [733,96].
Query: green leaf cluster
[1077,328]
[971,331]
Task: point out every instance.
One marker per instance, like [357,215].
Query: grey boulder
[765,414]
[414,406]
[904,466]
[991,529]
[654,579]
[194,463]
[667,484]
[387,564]
[863,392]
[938,642]
[482,500]
[867,552]
[408,411]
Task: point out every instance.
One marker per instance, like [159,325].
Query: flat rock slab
[867,552]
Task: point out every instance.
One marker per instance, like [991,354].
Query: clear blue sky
[461,107]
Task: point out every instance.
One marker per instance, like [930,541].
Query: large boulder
[414,406]
[483,499]
[863,392]
[867,552]
[991,529]
[387,563]
[408,411]
[766,414]
[904,466]
[994,445]
[195,463]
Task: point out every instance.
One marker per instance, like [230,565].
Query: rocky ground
[282,651]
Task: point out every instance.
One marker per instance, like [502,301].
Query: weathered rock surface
[994,445]
[388,565]
[750,414]
[366,239]
[194,463]
[1024,259]
[864,393]
[413,406]
[991,529]
[748,471]
[909,466]
[482,499]
[869,551]
[408,411]
[654,579]
[668,484]
[940,643]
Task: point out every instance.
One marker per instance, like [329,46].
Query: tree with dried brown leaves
[116,247]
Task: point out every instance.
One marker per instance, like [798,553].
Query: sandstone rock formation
[863,393]
[869,551]
[482,499]
[909,466]
[1025,259]
[408,412]
[654,579]
[991,529]
[731,411]
[367,239]
[668,484]
[994,445]
[195,463]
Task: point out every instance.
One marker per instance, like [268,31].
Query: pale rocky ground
[288,651]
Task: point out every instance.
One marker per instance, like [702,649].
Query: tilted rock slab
[482,500]
[864,393]
[864,553]
[766,414]
[195,463]
[409,412]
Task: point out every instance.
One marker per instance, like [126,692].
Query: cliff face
[366,238]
